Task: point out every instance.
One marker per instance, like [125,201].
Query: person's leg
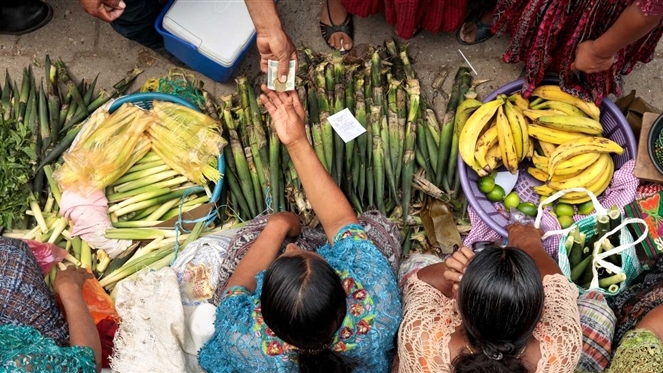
[137,22]
[25,299]
[334,14]
[18,17]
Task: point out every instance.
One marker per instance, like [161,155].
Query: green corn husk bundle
[106,149]
[397,166]
[187,141]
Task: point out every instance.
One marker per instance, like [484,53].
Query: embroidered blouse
[430,318]
[24,349]
[243,343]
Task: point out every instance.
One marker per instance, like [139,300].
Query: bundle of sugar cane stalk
[582,247]
[43,120]
[375,170]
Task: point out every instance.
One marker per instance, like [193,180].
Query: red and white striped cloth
[621,192]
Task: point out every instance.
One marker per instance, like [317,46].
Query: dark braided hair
[500,300]
[304,303]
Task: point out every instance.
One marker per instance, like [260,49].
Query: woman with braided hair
[501,310]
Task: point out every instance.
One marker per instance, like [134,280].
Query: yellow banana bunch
[471,131]
[519,101]
[572,151]
[596,186]
[555,93]
[552,135]
[494,157]
[486,141]
[518,125]
[584,178]
[541,175]
[569,167]
[536,114]
[565,108]
[506,142]
[571,124]
[547,147]
[580,146]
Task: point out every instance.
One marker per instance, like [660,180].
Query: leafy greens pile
[17,160]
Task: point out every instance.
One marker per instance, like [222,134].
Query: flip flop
[347,27]
[483,30]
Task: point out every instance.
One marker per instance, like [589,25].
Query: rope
[179,224]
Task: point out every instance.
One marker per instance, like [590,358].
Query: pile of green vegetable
[37,124]
[378,169]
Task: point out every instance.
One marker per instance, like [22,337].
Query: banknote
[273,81]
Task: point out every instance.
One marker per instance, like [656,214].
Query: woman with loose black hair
[296,303]
[501,310]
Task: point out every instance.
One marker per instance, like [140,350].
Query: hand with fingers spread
[287,113]
[455,266]
[105,10]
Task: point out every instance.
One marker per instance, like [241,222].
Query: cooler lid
[220,29]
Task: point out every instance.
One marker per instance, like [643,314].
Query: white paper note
[346,125]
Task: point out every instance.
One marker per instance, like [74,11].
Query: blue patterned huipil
[243,342]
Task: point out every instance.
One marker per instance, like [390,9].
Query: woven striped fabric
[598,326]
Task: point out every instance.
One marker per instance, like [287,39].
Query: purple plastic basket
[615,127]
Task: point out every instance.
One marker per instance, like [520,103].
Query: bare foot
[338,40]
[468,32]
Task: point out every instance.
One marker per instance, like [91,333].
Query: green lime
[496,195]
[528,208]
[585,208]
[511,200]
[493,174]
[486,184]
[565,221]
[564,209]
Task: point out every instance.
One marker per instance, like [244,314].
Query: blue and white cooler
[211,36]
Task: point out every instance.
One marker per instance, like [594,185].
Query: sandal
[483,30]
[347,27]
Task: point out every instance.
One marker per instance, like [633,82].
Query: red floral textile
[408,15]
[545,34]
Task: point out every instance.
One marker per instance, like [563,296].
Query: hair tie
[494,356]
[313,351]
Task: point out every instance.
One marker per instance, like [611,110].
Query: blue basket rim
[149,97]
[516,86]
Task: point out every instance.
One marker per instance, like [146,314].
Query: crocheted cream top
[430,318]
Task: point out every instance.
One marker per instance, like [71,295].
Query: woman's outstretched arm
[327,200]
